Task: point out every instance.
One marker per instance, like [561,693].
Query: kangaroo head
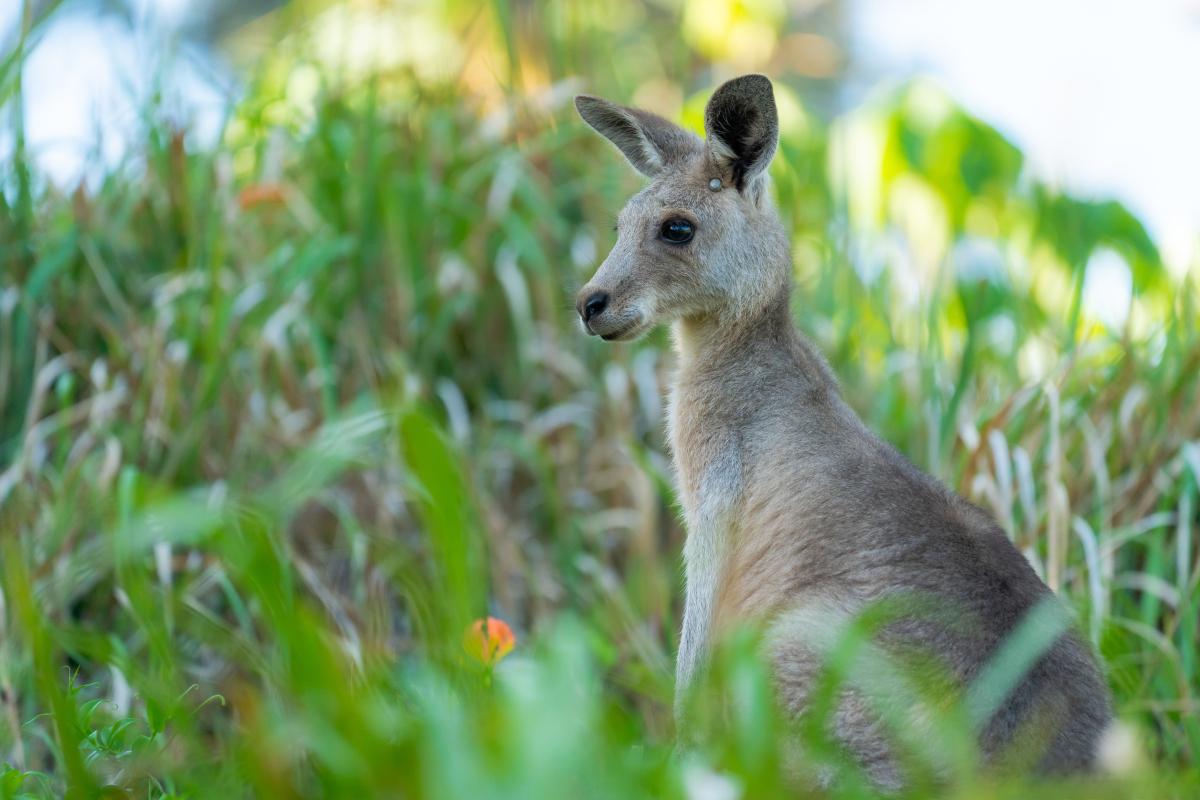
[702,239]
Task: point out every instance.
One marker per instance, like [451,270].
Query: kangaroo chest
[710,470]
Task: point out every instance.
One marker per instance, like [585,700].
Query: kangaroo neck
[743,349]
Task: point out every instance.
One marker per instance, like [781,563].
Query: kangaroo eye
[677,231]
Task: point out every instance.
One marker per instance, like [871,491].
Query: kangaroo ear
[742,128]
[647,140]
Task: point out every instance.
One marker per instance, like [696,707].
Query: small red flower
[489,640]
[261,194]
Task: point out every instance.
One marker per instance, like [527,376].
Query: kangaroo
[797,515]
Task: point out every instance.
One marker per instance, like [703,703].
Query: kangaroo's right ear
[647,140]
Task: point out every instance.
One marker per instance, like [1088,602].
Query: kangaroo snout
[611,318]
[592,304]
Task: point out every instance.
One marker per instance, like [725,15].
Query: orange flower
[489,640]
[261,194]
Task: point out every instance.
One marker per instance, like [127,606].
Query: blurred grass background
[281,413]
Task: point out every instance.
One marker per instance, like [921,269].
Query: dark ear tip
[754,83]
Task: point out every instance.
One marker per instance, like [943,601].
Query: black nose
[594,305]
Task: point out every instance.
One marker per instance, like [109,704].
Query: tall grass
[279,418]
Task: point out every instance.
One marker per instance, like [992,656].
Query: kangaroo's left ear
[742,128]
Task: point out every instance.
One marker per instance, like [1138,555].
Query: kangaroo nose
[594,305]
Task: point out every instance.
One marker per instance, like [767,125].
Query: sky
[1100,94]
[84,81]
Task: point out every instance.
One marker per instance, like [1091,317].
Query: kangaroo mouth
[628,333]
[622,328]
[612,336]
[609,335]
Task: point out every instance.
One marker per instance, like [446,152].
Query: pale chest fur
[711,477]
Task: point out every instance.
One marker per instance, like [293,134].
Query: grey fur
[648,141]
[797,514]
